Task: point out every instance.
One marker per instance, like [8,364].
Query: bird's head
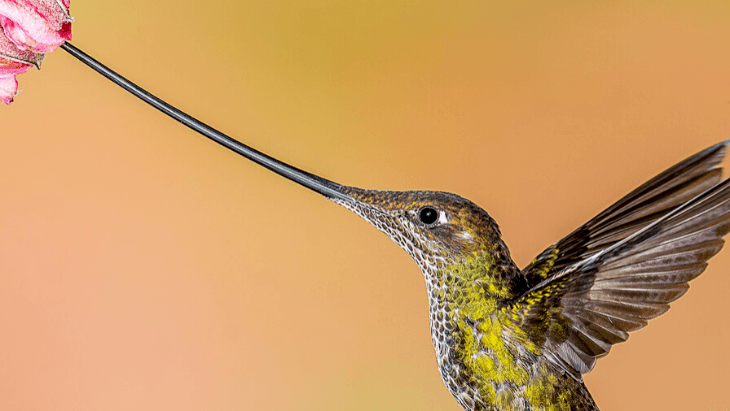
[432,227]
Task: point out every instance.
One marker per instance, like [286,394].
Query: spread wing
[624,267]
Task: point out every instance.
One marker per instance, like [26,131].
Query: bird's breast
[486,361]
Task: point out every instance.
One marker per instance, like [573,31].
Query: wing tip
[721,146]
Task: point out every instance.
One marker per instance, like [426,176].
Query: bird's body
[511,339]
[486,359]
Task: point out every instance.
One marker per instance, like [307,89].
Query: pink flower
[28,29]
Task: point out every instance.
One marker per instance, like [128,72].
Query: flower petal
[10,51]
[8,88]
[41,25]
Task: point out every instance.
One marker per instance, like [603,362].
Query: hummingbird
[521,339]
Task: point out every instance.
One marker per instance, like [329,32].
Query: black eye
[428,215]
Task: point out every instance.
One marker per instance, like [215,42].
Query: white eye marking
[466,236]
[442,217]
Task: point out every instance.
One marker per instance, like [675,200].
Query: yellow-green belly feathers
[486,361]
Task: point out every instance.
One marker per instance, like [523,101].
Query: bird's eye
[428,215]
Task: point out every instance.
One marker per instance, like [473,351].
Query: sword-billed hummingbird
[520,339]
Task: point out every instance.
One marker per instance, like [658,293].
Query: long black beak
[322,186]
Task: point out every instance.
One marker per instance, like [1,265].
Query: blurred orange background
[146,268]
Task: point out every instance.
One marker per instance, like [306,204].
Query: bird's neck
[466,294]
[484,357]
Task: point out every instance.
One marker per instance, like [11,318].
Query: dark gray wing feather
[627,264]
[634,211]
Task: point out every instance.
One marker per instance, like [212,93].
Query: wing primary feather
[696,164]
[624,266]
[650,229]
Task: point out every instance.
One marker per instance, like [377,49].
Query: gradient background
[145,268]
